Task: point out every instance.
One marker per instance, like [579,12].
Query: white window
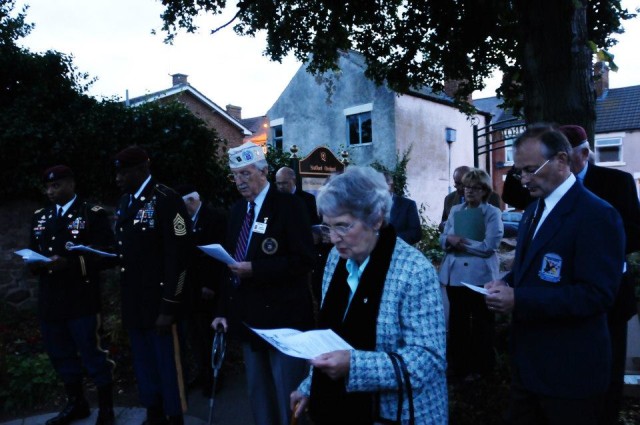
[508,151]
[277,135]
[608,150]
[358,120]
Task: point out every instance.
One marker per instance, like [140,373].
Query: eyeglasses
[527,171]
[242,175]
[340,231]
[473,188]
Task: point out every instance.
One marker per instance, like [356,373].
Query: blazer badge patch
[551,268]
[179,227]
[269,246]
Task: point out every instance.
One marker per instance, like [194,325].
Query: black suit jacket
[619,189]
[153,243]
[310,205]
[73,292]
[278,293]
[203,271]
[405,219]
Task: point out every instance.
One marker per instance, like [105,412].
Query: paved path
[231,407]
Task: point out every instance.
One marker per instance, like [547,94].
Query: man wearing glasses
[566,271]
[269,236]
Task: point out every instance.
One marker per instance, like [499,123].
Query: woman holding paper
[381,296]
[471,238]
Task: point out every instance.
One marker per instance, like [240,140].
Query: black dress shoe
[76,408]
[106,417]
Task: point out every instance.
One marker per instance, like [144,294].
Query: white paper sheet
[218,252]
[89,249]
[304,345]
[30,256]
[479,289]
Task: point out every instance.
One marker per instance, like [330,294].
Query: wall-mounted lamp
[449,135]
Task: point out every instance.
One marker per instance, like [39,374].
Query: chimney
[601,79]
[451,86]
[235,111]
[179,79]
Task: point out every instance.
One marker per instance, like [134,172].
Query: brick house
[226,122]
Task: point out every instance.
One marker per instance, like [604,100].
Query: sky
[112,40]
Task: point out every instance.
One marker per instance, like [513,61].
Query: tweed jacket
[411,323]
[478,264]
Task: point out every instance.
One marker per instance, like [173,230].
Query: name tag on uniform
[260,227]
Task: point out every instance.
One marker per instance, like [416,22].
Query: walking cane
[218,350]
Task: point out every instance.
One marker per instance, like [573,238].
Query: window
[359,128]
[609,150]
[508,151]
[276,136]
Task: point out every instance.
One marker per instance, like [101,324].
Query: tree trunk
[556,63]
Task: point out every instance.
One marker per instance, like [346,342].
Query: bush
[429,245]
[30,379]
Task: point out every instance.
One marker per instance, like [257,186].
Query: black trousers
[471,332]
[527,408]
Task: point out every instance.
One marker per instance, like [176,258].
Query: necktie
[59,212]
[245,231]
[534,223]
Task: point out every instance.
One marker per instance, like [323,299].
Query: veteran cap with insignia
[130,157]
[245,154]
[574,134]
[56,172]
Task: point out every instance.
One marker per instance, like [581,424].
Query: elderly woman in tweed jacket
[381,295]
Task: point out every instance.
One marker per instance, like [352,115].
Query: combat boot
[176,420]
[105,406]
[76,407]
[155,416]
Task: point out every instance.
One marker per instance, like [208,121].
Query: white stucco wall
[422,125]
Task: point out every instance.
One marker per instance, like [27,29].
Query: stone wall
[18,288]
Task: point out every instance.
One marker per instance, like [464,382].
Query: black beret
[574,134]
[184,189]
[130,157]
[56,172]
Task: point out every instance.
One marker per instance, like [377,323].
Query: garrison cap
[574,133]
[56,172]
[246,154]
[130,157]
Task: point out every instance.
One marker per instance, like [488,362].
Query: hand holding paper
[30,256]
[217,251]
[304,345]
[478,289]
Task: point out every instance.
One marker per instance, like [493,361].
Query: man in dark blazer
[286,182]
[619,189]
[152,233]
[269,236]
[457,196]
[565,276]
[69,299]
[204,274]
[404,215]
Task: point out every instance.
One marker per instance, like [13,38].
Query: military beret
[245,154]
[574,133]
[184,189]
[130,157]
[56,172]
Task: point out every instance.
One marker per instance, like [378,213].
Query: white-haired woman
[381,295]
